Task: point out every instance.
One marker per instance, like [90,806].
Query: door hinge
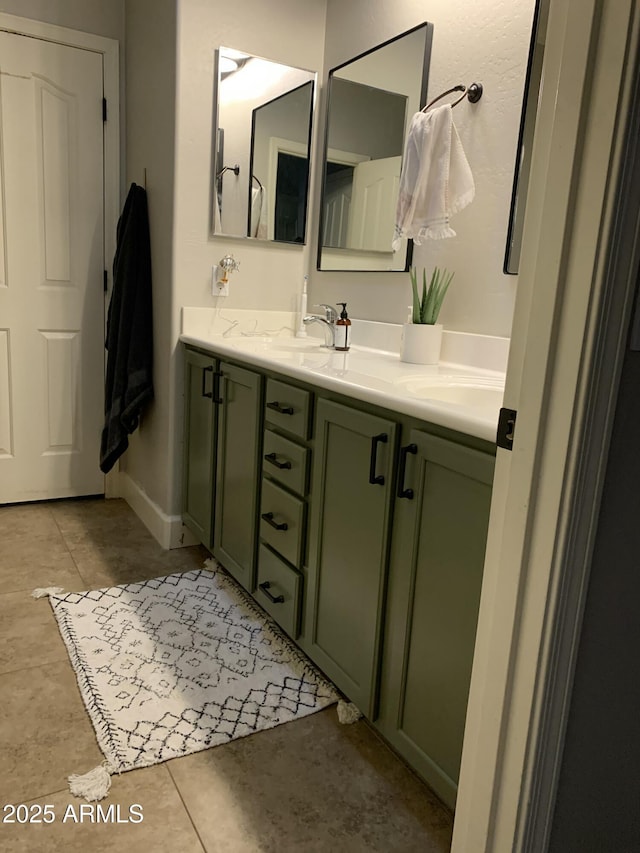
[104,109]
[106,281]
[506,428]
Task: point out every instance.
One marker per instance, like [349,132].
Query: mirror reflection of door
[372,99]
[373,204]
[257,100]
[291,203]
[361,185]
[279,165]
[338,189]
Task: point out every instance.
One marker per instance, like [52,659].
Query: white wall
[100,17]
[366,121]
[286,31]
[473,40]
[150,144]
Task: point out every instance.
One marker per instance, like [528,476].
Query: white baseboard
[167,529]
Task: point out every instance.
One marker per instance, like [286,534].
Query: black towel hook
[473,92]
[235,169]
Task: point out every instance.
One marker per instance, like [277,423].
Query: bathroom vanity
[354,507]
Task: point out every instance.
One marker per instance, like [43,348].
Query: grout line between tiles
[27,589]
[64,659]
[47,794]
[186,808]
[64,539]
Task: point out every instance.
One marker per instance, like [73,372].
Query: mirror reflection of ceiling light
[231,60]
[227,65]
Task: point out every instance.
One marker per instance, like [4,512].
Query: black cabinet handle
[375,441]
[402,492]
[272,458]
[268,517]
[218,378]
[281,410]
[206,393]
[276,599]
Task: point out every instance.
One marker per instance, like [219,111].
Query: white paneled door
[51,270]
[373,204]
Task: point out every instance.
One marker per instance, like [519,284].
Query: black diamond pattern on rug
[181,663]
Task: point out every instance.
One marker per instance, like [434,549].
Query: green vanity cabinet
[437,556]
[283,507]
[351,498]
[360,531]
[222,444]
[199,431]
[238,465]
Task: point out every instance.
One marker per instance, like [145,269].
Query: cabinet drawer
[288,408]
[279,590]
[285,461]
[281,521]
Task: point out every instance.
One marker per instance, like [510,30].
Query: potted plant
[422,337]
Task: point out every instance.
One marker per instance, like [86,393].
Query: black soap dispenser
[343,329]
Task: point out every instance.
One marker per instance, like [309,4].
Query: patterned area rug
[181,663]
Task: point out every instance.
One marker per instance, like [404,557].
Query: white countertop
[461,397]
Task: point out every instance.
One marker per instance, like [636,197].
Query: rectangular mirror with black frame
[525,138]
[371,101]
[261,151]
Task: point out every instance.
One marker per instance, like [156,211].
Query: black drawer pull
[281,410]
[272,458]
[206,393]
[375,441]
[276,599]
[268,517]
[402,492]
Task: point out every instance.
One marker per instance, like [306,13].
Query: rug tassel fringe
[348,713]
[44,591]
[93,785]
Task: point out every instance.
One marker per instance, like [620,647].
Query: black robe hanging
[129,381]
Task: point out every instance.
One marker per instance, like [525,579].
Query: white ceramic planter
[420,343]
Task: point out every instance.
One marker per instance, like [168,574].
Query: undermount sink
[298,346]
[486,394]
[285,348]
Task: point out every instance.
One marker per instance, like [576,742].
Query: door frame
[110,51]
[572,312]
[278,146]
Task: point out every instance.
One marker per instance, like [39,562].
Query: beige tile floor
[310,785]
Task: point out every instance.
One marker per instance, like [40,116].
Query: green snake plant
[427,307]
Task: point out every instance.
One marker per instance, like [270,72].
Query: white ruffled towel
[436,180]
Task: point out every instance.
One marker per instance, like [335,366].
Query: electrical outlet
[218,288]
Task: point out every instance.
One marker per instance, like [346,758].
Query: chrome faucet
[328,321]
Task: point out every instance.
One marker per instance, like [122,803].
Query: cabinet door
[439,538]
[350,505]
[199,431]
[238,472]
